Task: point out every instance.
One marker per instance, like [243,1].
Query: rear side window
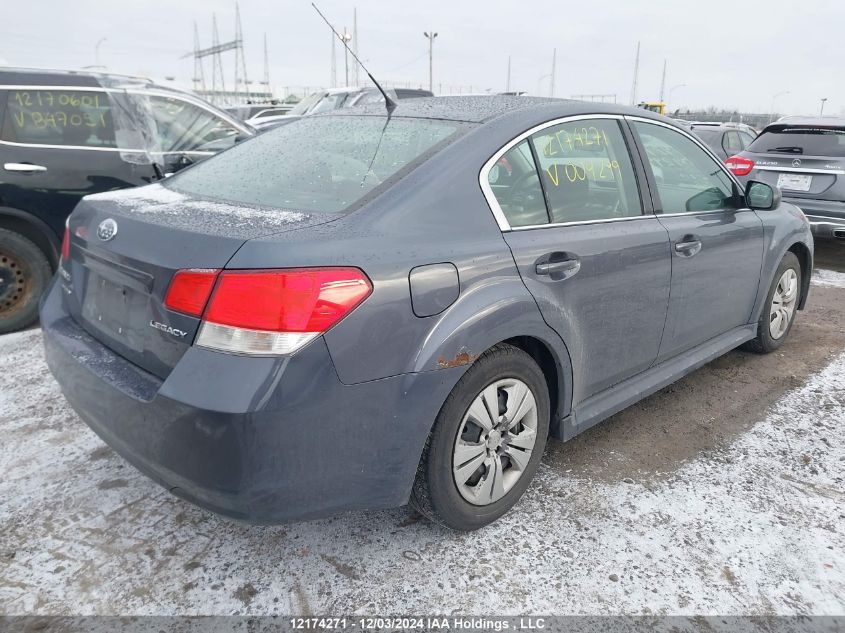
[731,142]
[688,179]
[58,117]
[516,184]
[185,127]
[319,164]
[809,141]
[586,171]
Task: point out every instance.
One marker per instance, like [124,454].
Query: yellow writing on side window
[567,140]
[47,108]
[598,170]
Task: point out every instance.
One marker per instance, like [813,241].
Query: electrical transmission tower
[216,59]
[240,60]
[199,73]
[218,93]
[636,76]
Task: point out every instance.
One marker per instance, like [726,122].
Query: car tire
[507,469]
[772,330]
[24,275]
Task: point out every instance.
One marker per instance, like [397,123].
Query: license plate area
[110,308]
[794,182]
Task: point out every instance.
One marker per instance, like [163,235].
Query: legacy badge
[167,329]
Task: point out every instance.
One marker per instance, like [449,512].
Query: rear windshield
[801,140]
[323,164]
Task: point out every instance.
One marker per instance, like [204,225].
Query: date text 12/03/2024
[455,623]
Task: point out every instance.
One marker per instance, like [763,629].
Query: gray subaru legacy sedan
[359,310]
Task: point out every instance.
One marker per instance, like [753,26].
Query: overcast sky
[734,54]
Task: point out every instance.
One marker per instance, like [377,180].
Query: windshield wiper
[791,149]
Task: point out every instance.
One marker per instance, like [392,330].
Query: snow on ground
[830,278]
[757,527]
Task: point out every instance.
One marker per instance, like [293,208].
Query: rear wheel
[780,308]
[24,275]
[487,442]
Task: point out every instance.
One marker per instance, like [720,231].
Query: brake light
[190,289]
[266,312]
[66,242]
[739,165]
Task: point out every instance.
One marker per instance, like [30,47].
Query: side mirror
[762,197]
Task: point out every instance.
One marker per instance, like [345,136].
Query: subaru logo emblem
[796,162]
[107,229]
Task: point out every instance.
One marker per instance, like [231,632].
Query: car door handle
[688,246]
[24,168]
[558,270]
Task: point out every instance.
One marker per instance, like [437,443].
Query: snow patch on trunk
[164,205]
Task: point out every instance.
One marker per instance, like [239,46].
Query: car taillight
[270,312]
[739,165]
[66,242]
[190,289]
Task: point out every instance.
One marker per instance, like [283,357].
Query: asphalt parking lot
[722,494]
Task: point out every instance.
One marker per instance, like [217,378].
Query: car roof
[807,121]
[481,109]
[340,91]
[47,76]
[728,125]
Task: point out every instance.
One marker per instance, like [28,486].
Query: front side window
[80,118]
[318,164]
[185,127]
[688,179]
[516,185]
[587,172]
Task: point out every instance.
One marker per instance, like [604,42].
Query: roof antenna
[389,103]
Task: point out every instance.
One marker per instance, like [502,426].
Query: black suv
[66,134]
[805,158]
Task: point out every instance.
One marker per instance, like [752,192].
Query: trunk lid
[118,272]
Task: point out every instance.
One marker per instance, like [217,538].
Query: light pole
[540,80]
[430,36]
[774,97]
[347,37]
[97,49]
[673,89]
[821,110]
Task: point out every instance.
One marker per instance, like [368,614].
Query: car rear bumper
[827,217]
[262,440]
